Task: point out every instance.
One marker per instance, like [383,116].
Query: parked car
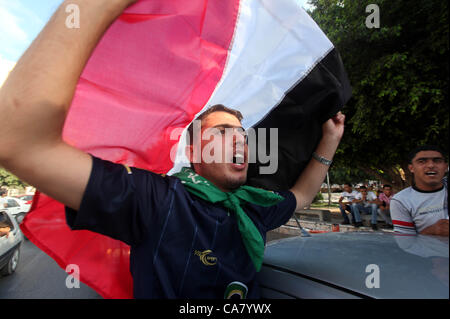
[17,208]
[27,200]
[10,246]
[356,265]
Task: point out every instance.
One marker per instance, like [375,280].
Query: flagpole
[329,190]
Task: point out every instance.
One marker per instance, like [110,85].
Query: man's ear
[411,169]
[189,151]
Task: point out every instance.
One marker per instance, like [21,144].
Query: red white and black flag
[160,65]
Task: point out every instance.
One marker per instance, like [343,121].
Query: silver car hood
[408,266]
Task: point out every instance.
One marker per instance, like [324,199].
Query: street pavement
[39,277]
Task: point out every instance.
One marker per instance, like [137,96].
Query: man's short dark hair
[421,148]
[348,184]
[386,186]
[362,187]
[212,109]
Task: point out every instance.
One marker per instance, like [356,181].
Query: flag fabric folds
[160,65]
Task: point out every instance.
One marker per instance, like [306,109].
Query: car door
[7,243]
[3,245]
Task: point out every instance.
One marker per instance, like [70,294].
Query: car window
[5,221]
[12,203]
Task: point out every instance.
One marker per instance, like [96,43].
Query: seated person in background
[370,191]
[365,202]
[423,207]
[384,202]
[345,202]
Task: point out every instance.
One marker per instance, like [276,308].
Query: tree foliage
[345,174]
[399,75]
[8,179]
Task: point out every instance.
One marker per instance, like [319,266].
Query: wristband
[321,159]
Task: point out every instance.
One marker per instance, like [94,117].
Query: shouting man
[423,207]
[192,234]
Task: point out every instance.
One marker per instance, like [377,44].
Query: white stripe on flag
[275,45]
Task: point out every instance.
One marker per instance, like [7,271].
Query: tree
[345,174]
[7,179]
[399,75]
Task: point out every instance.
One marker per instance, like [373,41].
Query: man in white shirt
[423,207]
[366,202]
[345,203]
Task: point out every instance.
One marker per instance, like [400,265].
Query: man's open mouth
[431,173]
[238,159]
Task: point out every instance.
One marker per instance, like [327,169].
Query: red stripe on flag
[46,227]
[134,17]
[153,71]
[147,78]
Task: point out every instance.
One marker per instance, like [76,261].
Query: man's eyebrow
[427,158]
[228,126]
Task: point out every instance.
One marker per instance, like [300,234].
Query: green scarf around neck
[234,200]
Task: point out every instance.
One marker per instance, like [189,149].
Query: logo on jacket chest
[206,257]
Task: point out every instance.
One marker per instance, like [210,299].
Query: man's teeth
[430,173]
[238,158]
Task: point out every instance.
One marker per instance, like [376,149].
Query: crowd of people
[365,201]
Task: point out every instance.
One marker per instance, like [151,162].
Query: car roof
[408,266]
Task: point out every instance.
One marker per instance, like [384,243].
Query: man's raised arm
[312,177]
[35,99]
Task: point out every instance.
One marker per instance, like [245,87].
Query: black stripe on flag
[299,117]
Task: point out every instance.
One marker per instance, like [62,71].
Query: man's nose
[239,146]
[239,136]
[430,163]
[240,139]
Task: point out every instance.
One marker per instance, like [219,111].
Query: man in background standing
[423,207]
